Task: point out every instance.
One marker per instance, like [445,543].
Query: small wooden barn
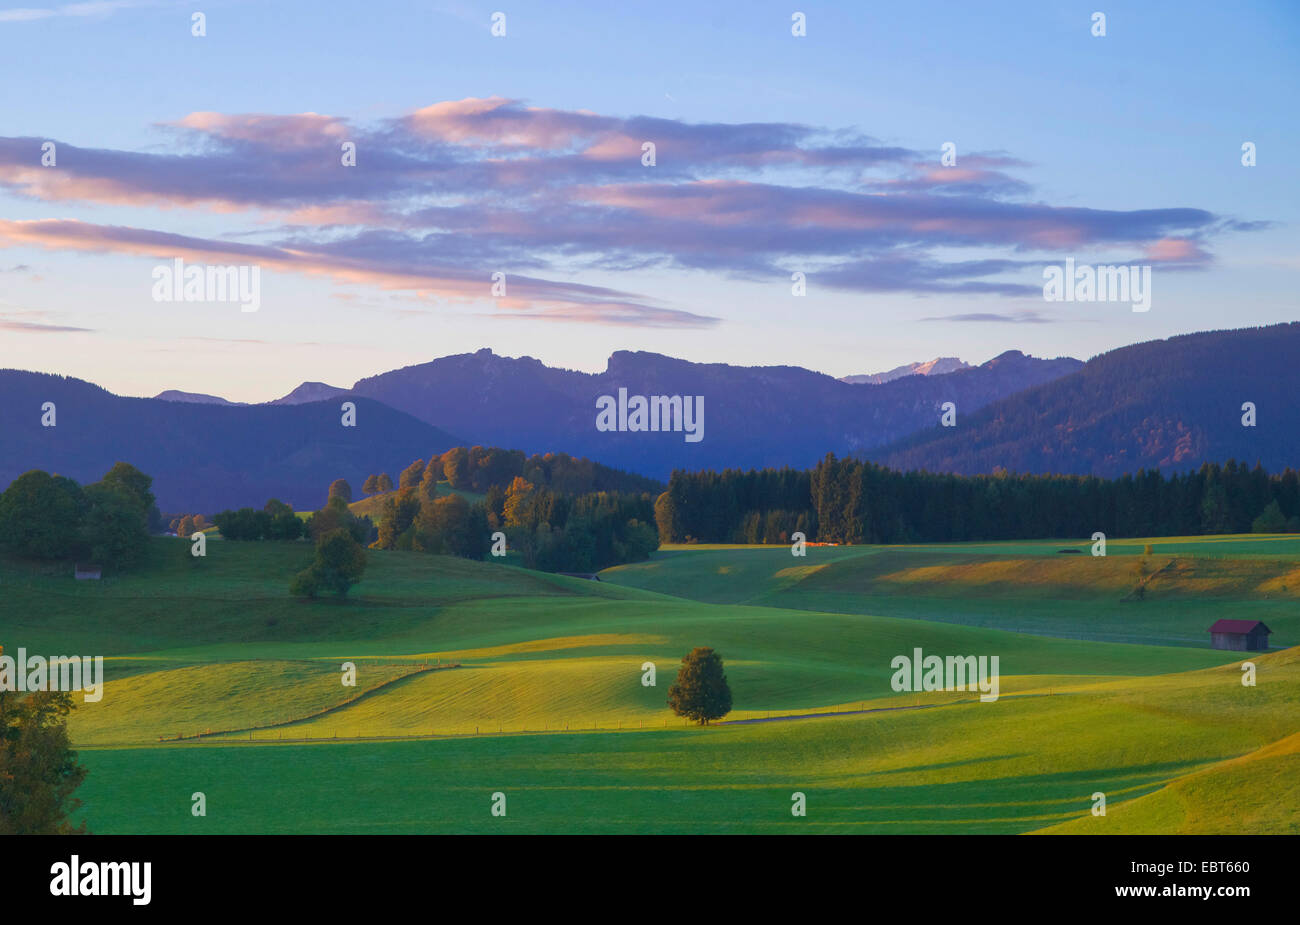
[87,572]
[1240,635]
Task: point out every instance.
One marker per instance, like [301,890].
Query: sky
[520,157]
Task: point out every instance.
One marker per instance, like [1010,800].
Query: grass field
[1024,587]
[546,702]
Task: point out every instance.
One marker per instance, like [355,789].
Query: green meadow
[1028,587]
[475,678]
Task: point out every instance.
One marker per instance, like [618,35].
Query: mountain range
[307,392]
[204,457]
[1164,404]
[753,416]
[1168,404]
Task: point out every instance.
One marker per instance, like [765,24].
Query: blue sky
[774,154]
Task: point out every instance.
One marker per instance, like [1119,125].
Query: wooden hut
[1240,635]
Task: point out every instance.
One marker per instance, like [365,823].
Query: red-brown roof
[1238,626]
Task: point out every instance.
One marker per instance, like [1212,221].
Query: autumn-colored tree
[456,467]
[666,517]
[411,475]
[515,507]
[339,488]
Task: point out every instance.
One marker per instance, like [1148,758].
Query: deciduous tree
[38,768]
[700,692]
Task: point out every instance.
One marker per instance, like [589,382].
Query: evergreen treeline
[852,501]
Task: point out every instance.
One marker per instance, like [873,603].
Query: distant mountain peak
[194,398]
[939,366]
[309,392]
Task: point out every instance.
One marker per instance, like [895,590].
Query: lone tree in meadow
[340,563]
[700,691]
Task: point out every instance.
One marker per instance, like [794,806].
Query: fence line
[571,726]
[420,668]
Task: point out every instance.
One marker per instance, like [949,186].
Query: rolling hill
[203,457]
[1165,404]
[547,706]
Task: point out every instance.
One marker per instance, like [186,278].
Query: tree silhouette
[700,692]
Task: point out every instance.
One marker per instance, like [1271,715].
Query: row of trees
[549,530]
[277,521]
[449,525]
[44,516]
[188,524]
[478,469]
[852,501]
[561,533]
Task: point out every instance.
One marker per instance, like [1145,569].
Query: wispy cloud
[444,196]
[98,8]
[1024,317]
[13,318]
